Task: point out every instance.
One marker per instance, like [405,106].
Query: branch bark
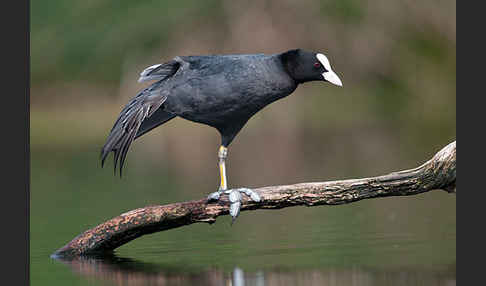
[437,173]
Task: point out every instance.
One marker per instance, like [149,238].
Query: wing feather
[137,112]
[128,123]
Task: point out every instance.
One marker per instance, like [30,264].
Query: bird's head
[306,66]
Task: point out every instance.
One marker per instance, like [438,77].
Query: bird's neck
[287,59]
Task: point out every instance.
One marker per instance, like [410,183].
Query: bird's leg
[234,194]
[222,154]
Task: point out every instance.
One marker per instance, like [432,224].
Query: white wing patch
[149,69]
[144,74]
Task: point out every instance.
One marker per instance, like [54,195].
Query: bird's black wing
[159,117]
[160,71]
[135,118]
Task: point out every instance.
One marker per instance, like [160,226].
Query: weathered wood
[437,173]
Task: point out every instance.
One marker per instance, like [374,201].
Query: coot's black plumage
[222,91]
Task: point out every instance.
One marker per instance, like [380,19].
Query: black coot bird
[222,91]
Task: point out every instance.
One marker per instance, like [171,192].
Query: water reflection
[117,270]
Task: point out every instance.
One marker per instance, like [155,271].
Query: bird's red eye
[316,64]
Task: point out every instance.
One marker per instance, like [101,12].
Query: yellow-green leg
[234,194]
[222,154]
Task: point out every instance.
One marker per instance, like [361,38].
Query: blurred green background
[397,61]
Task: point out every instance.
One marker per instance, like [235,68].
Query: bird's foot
[235,199]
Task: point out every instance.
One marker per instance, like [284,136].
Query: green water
[390,241]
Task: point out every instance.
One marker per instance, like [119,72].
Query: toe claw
[252,194]
[255,197]
[214,196]
[234,211]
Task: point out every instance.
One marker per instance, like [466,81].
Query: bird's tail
[134,120]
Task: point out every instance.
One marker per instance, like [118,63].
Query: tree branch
[437,173]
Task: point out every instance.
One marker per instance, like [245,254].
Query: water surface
[389,241]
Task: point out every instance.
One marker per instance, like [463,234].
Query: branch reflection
[127,271]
